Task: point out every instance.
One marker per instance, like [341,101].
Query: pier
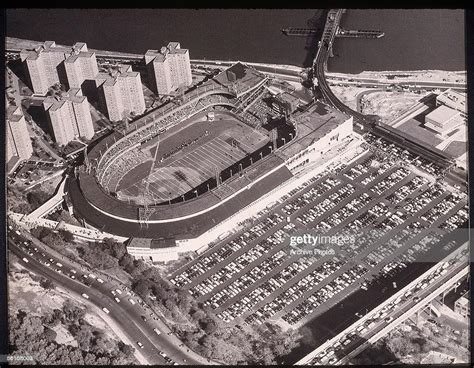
[360,33]
[299,32]
[364,33]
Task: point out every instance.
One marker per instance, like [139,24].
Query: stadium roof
[313,124]
[150,243]
[244,74]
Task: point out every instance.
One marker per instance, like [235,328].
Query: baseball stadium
[187,166]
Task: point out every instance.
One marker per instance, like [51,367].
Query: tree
[127,263]
[46,284]
[41,232]
[209,326]
[113,248]
[66,236]
[128,350]
[71,312]
[84,337]
[49,334]
[96,258]
[54,240]
[36,198]
[141,287]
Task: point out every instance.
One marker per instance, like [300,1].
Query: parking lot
[390,202]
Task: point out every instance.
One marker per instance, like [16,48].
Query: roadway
[320,67]
[415,84]
[403,312]
[400,312]
[77,231]
[51,203]
[126,315]
[322,86]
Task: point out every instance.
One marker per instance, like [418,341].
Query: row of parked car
[343,213]
[407,189]
[321,208]
[457,219]
[238,264]
[296,291]
[216,256]
[442,208]
[308,197]
[323,294]
[390,181]
[246,280]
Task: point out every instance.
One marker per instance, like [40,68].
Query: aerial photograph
[236,187]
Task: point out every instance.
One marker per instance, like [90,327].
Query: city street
[125,314]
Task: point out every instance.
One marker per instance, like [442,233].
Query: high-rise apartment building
[45,63]
[121,93]
[80,65]
[169,68]
[18,142]
[69,116]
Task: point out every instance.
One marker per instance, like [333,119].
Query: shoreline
[12,43]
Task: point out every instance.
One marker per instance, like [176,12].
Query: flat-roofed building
[69,116]
[454,100]
[18,142]
[168,68]
[121,93]
[461,306]
[44,65]
[153,250]
[444,120]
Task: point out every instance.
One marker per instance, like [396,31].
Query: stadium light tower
[216,172]
[274,138]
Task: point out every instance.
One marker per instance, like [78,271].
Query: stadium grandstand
[176,173]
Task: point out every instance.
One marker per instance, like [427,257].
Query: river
[414,39]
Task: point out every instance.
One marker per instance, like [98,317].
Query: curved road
[320,66]
[125,314]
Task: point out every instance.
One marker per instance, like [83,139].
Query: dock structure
[360,33]
[299,32]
